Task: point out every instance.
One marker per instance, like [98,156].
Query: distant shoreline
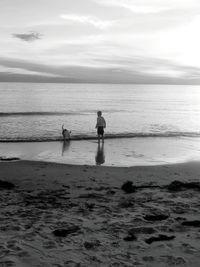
[110,83]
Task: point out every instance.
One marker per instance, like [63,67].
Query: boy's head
[99,113]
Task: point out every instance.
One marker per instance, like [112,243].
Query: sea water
[36,111]
[156,124]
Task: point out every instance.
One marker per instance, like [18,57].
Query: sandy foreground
[67,215]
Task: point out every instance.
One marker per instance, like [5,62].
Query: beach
[132,201]
[80,215]
[99,133]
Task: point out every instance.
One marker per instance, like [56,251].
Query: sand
[99,224]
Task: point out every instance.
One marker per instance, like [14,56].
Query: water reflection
[65,147]
[100,156]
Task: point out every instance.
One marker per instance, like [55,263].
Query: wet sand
[67,215]
[124,153]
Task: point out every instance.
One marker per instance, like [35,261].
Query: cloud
[94,21]
[147,7]
[152,67]
[139,70]
[133,6]
[27,37]
[23,71]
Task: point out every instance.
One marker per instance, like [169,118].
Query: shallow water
[127,152]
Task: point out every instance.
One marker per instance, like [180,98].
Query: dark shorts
[100,130]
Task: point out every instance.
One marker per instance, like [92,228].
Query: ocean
[36,111]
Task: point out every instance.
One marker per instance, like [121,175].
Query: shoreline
[107,136]
[161,174]
[99,224]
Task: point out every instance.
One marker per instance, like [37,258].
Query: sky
[111,41]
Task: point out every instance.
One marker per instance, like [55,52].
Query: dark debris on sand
[128,187]
[66,232]
[176,186]
[91,244]
[8,159]
[130,237]
[159,217]
[142,230]
[6,185]
[138,230]
[159,238]
[195,223]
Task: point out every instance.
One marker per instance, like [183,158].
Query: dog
[66,134]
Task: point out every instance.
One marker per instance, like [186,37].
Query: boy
[65,133]
[101,124]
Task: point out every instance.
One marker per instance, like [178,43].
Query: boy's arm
[104,123]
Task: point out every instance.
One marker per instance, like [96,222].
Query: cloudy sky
[140,41]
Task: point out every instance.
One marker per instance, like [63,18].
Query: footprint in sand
[173,261]
[23,254]
[13,245]
[49,244]
[3,252]
[7,263]
[29,237]
[15,248]
[148,258]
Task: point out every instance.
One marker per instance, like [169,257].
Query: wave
[107,136]
[37,113]
[57,113]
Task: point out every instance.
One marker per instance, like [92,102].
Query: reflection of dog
[65,133]
[65,146]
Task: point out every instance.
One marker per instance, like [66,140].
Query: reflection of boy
[101,124]
[100,157]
